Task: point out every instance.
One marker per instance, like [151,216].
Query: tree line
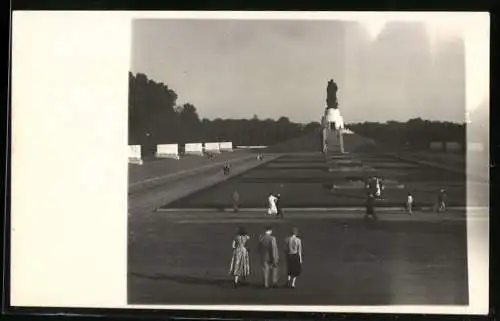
[414,134]
[155,118]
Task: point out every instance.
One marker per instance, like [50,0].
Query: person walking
[279,209]
[271,203]
[293,252]
[240,261]
[409,203]
[378,190]
[236,201]
[268,250]
[370,207]
[442,200]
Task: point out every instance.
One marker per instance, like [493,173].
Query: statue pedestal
[332,129]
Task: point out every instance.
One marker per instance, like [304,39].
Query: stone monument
[332,120]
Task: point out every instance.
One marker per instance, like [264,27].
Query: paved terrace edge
[151,182]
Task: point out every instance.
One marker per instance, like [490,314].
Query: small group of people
[269,257]
[274,207]
[440,205]
[226,169]
[370,206]
[260,157]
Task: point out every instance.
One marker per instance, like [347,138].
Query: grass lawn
[346,262]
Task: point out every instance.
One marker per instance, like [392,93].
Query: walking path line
[359,217]
[316,209]
[188,172]
[192,184]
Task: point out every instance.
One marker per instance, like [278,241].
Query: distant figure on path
[370,207]
[240,262]
[268,250]
[225,169]
[442,200]
[293,251]
[236,201]
[378,187]
[271,203]
[409,204]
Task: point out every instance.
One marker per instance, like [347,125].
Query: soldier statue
[331,95]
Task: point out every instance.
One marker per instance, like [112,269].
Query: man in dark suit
[370,207]
[268,250]
[279,207]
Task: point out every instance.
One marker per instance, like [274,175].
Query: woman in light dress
[271,202]
[240,262]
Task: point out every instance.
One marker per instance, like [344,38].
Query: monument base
[333,141]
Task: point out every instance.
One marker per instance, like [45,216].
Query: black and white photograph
[250,161]
[296,162]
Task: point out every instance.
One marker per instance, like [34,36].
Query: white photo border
[69,191]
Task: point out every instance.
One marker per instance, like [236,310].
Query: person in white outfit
[409,204]
[271,202]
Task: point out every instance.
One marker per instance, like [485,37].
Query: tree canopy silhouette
[155,118]
[416,134]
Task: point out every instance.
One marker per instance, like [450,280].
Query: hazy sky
[235,68]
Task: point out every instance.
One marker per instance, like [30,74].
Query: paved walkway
[155,197]
[259,215]
[167,170]
[161,166]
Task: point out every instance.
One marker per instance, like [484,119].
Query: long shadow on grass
[193,280]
